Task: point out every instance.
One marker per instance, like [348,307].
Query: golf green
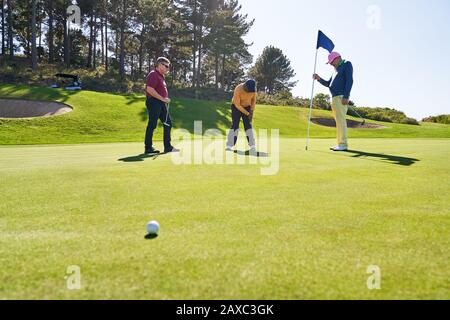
[227,232]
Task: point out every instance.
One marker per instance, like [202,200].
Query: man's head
[163,65]
[334,59]
[250,86]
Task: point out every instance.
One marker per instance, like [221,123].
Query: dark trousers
[157,110]
[236,116]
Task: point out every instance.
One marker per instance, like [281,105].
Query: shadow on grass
[379,157]
[397,160]
[252,154]
[213,115]
[151,237]
[140,158]
[36,93]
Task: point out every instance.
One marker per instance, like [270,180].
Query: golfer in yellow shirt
[243,107]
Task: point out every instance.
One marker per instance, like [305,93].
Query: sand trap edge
[42,109]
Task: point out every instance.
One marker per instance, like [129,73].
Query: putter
[167,115]
[364,120]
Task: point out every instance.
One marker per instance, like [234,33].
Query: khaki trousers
[340,113]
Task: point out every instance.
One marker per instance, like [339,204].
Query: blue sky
[400,49]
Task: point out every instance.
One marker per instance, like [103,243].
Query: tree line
[204,39]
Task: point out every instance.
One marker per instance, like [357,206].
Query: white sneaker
[339,148]
[229,149]
[253,151]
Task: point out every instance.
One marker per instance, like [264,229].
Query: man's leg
[234,130]
[167,129]
[249,130]
[153,110]
[340,113]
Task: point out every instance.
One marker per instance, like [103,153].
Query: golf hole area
[24,109]
[331,123]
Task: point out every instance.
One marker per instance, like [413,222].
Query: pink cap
[333,56]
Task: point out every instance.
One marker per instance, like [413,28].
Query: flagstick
[311,105]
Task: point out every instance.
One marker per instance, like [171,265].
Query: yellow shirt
[243,99]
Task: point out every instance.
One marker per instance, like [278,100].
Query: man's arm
[321,81]
[325,83]
[253,102]
[349,80]
[242,110]
[151,91]
[253,107]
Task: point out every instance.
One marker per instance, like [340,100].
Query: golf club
[364,120]
[167,115]
[250,117]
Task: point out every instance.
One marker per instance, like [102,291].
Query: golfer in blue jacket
[340,89]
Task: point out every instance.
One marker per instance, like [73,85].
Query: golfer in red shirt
[157,106]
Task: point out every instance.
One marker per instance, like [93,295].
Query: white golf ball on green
[153,228]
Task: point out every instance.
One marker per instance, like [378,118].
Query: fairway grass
[106,117]
[227,232]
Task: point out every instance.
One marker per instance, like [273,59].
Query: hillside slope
[102,117]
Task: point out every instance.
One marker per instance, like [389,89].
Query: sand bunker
[326,122]
[22,109]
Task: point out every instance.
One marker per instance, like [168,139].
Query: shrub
[411,121]
[384,115]
[282,99]
[443,119]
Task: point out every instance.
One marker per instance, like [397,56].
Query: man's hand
[316,77]
[152,92]
[345,101]
[250,115]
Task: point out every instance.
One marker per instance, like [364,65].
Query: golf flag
[324,42]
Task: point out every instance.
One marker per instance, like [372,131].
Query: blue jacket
[343,83]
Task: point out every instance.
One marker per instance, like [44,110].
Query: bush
[443,119]
[411,121]
[322,101]
[282,99]
[384,115]
[378,116]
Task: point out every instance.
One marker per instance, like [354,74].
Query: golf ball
[153,227]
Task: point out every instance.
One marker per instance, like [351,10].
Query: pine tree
[273,71]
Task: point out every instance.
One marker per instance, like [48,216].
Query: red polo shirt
[158,82]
